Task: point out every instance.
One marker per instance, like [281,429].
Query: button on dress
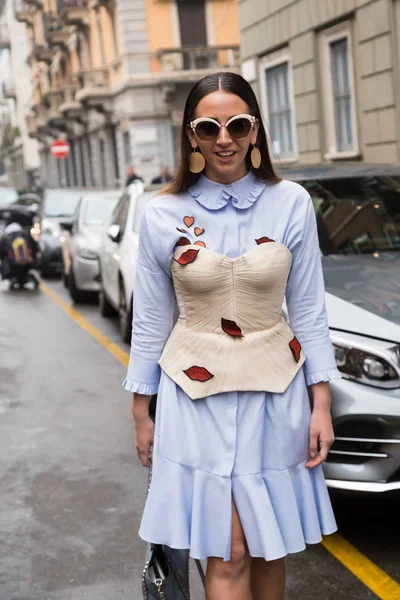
[252,445]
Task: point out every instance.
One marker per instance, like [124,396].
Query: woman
[237,474]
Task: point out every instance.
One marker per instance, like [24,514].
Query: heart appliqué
[198,231]
[188,221]
[183,242]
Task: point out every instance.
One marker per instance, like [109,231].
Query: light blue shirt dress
[249,445]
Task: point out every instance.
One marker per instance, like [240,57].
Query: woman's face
[225,156]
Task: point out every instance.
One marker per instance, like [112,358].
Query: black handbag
[166,572]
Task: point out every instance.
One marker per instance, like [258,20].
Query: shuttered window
[279,109]
[341,95]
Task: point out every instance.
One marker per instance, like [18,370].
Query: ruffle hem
[313,378]
[140,388]
[280,510]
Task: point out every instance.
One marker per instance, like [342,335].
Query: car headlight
[87,253]
[372,362]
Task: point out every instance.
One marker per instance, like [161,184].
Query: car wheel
[124,315]
[76,294]
[106,309]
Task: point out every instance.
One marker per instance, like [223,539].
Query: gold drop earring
[197,162]
[255,157]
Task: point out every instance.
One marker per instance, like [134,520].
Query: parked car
[118,256]
[24,215]
[358,215]
[81,240]
[57,205]
[30,200]
[7,195]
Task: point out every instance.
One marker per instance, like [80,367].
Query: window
[341,95]
[338,90]
[278,104]
[103,166]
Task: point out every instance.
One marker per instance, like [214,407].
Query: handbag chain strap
[158,582]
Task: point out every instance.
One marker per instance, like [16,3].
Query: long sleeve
[153,308]
[305,296]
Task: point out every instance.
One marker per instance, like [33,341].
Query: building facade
[327,73]
[111,77]
[18,151]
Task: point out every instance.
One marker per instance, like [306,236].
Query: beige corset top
[230,335]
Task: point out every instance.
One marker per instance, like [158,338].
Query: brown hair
[234,84]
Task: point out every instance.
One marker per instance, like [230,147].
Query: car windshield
[60,203]
[357,215]
[7,195]
[97,210]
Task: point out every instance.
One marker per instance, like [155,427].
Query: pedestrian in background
[237,455]
[164,177]
[131,176]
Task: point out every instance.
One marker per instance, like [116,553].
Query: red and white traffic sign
[60,148]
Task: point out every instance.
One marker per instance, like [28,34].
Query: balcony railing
[22,11]
[4,36]
[74,12]
[55,31]
[68,91]
[31,122]
[191,58]
[40,111]
[42,53]
[9,88]
[93,78]
[54,101]
[69,105]
[61,4]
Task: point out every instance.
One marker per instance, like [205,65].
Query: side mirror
[114,233]
[66,225]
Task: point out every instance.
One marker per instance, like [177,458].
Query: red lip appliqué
[187,257]
[264,240]
[231,328]
[198,373]
[295,347]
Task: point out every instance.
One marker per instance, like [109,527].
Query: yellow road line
[114,349]
[364,569]
[370,574]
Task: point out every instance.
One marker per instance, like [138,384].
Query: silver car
[358,214]
[81,240]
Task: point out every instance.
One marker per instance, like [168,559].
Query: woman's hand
[144,428]
[321,436]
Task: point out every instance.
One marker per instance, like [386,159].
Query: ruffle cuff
[140,388]
[313,378]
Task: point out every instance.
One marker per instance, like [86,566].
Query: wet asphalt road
[72,490]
